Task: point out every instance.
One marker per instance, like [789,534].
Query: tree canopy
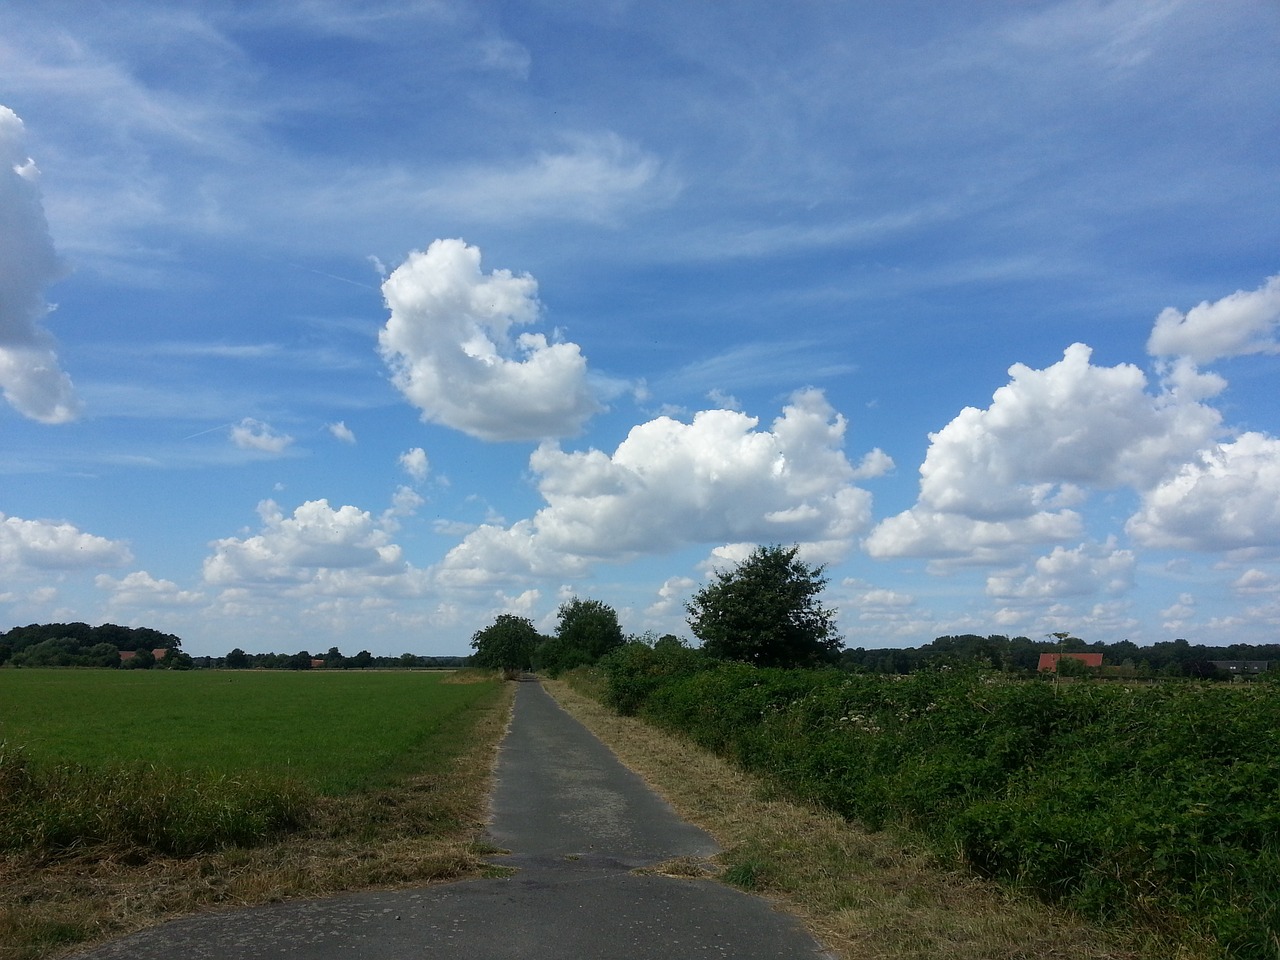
[506,644]
[588,629]
[766,612]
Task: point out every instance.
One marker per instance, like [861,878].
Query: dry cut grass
[419,830]
[866,896]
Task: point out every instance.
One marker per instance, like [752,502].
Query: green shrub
[633,671]
[1157,805]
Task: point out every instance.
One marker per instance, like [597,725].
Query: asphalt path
[577,825]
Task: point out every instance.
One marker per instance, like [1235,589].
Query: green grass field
[185,762]
[335,732]
[129,797]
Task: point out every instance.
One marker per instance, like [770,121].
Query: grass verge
[417,829]
[866,896]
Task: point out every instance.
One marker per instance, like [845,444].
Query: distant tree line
[1169,658]
[334,659]
[765,612]
[80,645]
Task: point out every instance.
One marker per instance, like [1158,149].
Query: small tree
[766,612]
[507,644]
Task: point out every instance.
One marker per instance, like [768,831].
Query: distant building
[159,653]
[317,664]
[1242,667]
[1049,661]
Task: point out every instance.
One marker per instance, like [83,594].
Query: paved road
[577,824]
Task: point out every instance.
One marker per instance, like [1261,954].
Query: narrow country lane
[577,825]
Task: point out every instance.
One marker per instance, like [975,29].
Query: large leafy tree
[587,630]
[506,644]
[766,612]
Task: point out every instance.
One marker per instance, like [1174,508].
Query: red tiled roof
[1049,661]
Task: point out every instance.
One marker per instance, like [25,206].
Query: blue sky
[327,322]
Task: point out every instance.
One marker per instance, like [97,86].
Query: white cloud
[448,343]
[315,543]
[1011,473]
[1243,323]
[950,536]
[505,56]
[36,545]
[30,377]
[725,401]
[876,463]
[140,589]
[405,502]
[1227,499]
[669,484]
[1082,571]
[1254,581]
[593,178]
[671,596]
[251,434]
[341,431]
[415,463]
[1179,615]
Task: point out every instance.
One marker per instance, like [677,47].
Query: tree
[361,661]
[237,659]
[766,612]
[142,659]
[588,629]
[506,644]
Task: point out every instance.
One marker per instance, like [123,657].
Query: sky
[357,323]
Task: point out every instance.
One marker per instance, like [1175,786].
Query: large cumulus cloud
[1228,498]
[32,546]
[315,541]
[30,377]
[670,484]
[449,343]
[1010,475]
[999,481]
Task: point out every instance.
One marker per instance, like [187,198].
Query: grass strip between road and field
[865,895]
[425,825]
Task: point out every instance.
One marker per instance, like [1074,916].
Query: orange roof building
[1049,661]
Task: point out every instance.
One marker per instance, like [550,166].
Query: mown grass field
[335,731]
[126,797]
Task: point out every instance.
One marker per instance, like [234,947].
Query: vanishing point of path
[578,824]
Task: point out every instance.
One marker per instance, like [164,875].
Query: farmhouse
[1049,661]
[159,653]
